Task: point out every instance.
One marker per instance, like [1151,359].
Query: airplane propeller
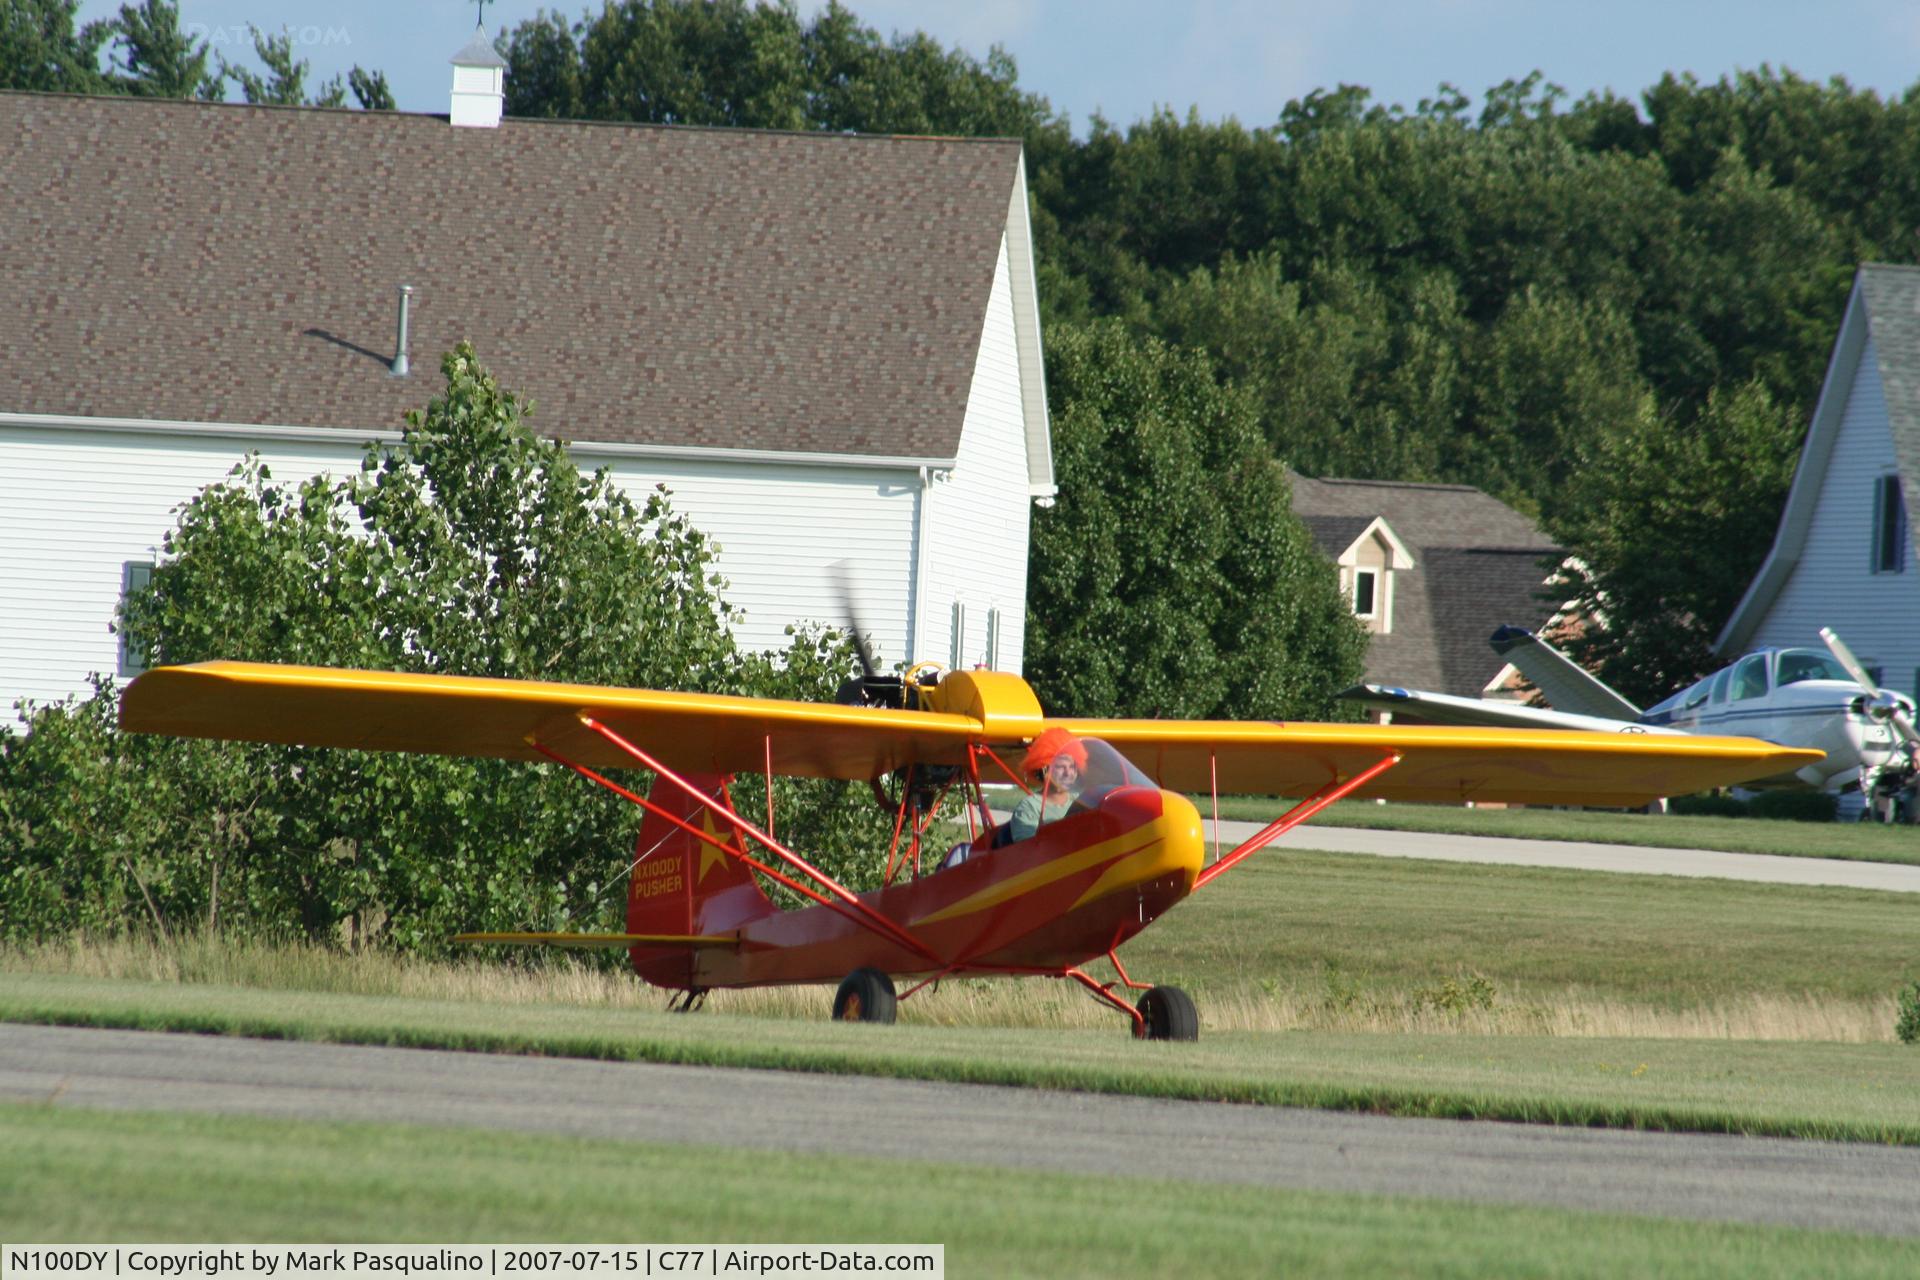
[1879,704]
[872,687]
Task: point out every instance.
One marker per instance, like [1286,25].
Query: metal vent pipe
[400,345]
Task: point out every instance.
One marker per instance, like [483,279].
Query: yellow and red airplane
[1128,848]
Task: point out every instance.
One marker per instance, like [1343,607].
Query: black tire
[865,996]
[1169,1014]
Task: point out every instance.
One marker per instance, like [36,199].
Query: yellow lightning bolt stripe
[1149,863]
[709,855]
[1093,855]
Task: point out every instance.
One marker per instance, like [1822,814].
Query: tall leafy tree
[155,58]
[1171,577]
[284,83]
[152,55]
[473,547]
[41,48]
[758,65]
[1671,521]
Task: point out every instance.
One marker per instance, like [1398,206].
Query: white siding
[74,507]
[978,519]
[779,529]
[1832,585]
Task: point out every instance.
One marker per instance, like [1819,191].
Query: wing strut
[1295,816]
[849,904]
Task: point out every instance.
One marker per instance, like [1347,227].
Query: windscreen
[1107,770]
[1809,664]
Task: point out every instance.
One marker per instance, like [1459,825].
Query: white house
[1844,555]
[827,346]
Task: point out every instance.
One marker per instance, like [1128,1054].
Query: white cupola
[479,84]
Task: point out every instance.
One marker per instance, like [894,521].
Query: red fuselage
[1079,888]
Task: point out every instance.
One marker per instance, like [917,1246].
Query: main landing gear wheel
[1169,1014]
[866,996]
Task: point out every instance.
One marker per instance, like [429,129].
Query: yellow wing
[457,715]
[1439,763]
[469,716]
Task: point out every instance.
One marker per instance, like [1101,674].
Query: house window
[1366,592]
[136,578]
[1889,526]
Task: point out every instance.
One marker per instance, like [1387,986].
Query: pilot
[1055,761]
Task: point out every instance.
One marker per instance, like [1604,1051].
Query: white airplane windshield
[1808,664]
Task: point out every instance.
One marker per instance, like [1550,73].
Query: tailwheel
[1167,1013]
[865,996]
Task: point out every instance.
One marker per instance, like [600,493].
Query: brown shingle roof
[1477,565]
[1432,515]
[649,285]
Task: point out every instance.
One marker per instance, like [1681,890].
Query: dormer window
[1367,569]
[1366,595]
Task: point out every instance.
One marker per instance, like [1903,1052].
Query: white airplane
[1795,697]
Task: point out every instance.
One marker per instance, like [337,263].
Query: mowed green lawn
[1288,916]
[120,1177]
[1864,842]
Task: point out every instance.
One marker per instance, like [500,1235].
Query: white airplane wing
[1566,685]
[1445,708]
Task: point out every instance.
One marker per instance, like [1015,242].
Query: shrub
[1907,1024]
[1795,806]
[1709,804]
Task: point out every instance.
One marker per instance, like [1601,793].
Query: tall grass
[1467,1005]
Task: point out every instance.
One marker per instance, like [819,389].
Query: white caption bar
[491,1261]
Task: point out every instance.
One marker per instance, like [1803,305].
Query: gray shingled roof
[1477,565]
[1892,295]
[725,288]
[478,52]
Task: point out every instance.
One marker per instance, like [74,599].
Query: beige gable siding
[979,518]
[74,507]
[1833,585]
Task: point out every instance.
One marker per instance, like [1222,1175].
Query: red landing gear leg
[1164,1013]
[1103,991]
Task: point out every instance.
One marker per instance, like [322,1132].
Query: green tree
[156,59]
[40,48]
[472,547]
[1171,577]
[1669,522]
[152,56]
[759,66]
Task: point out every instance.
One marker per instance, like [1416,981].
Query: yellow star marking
[708,854]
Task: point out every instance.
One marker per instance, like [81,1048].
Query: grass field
[255,1180]
[1323,980]
[1864,842]
[1383,985]
[1295,941]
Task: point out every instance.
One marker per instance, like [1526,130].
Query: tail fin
[683,885]
[1567,686]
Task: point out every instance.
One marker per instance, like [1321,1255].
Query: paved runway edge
[1833,1186]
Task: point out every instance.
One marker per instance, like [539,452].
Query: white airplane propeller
[1881,705]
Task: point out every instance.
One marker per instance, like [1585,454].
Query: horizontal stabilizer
[1567,686]
[588,941]
[1444,708]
